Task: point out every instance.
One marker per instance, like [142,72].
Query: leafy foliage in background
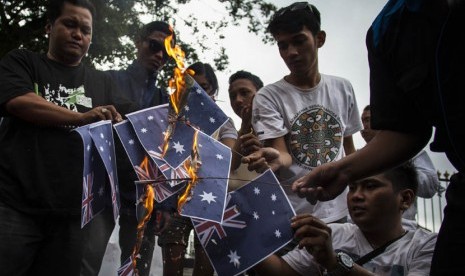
[22,26]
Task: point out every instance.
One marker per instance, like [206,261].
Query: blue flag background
[93,175]
[209,194]
[137,154]
[256,224]
[102,136]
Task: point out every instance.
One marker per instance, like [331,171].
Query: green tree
[22,26]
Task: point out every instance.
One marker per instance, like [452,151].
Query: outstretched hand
[323,183]
[106,112]
[263,159]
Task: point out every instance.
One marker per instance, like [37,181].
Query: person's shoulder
[422,234]
[272,88]
[21,54]
[335,79]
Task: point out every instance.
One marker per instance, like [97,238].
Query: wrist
[343,265]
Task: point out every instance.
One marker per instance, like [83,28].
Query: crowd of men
[354,207]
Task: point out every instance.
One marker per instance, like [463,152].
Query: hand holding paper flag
[257,216]
[93,185]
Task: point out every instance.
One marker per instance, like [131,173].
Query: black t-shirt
[41,167]
[406,95]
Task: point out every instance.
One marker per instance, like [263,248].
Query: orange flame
[176,84]
[148,205]
[192,165]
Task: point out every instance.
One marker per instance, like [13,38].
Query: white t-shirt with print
[410,255]
[314,122]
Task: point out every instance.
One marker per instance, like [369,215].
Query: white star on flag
[208,197]
[256,190]
[150,118]
[234,258]
[131,142]
[277,233]
[212,120]
[144,130]
[219,157]
[101,135]
[256,216]
[178,147]
[101,148]
[273,197]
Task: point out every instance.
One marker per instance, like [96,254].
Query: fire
[192,166]
[177,84]
[177,87]
[148,206]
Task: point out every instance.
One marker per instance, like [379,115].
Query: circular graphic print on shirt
[316,137]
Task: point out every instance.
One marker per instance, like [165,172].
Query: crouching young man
[376,244]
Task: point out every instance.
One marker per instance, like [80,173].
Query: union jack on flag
[102,136]
[87,198]
[127,269]
[93,175]
[257,216]
[205,229]
[144,166]
[169,172]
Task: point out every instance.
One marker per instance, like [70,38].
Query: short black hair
[55,8]
[367,108]
[293,18]
[153,26]
[403,177]
[257,82]
[206,69]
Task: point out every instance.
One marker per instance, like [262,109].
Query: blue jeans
[39,245]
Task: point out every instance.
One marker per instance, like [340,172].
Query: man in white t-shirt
[428,181]
[375,205]
[307,116]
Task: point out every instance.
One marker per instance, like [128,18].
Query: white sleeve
[421,262]
[302,262]
[428,181]
[267,119]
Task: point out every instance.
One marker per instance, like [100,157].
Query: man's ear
[407,198]
[320,38]
[48,27]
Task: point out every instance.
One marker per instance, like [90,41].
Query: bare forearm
[386,150]
[34,109]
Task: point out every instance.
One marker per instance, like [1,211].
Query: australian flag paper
[127,269]
[200,112]
[144,166]
[256,223]
[102,136]
[209,194]
[149,126]
[93,184]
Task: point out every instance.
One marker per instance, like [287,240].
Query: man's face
[373,203]
[300,50]
[367,132]
[150,51]
[70,35]
[241,93]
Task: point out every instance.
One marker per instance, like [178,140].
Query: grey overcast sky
[344,53]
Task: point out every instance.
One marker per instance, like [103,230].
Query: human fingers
[112,114]
[259,165]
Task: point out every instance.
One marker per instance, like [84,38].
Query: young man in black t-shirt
[42,96]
